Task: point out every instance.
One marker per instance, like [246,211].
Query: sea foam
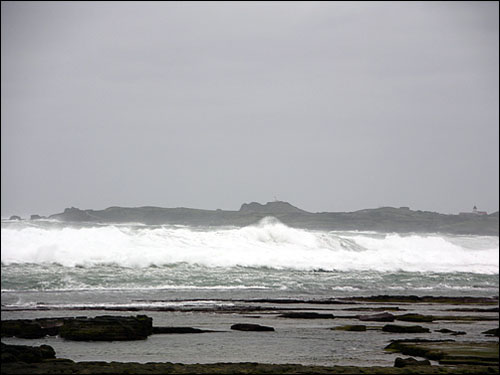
[267,244]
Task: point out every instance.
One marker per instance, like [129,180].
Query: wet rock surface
[107,328]
[27,354]
[166,330]
[382,317]
[251,327]
[394,328]
[306,315]
[352,328]
[405,362]
[449,351]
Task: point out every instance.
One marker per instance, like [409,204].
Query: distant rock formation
[383,219]
[276,207]
[14,217]
[36,217]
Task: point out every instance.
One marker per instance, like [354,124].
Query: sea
[195,276]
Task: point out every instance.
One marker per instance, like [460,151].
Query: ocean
[195,276]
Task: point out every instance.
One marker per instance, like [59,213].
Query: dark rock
[28,354]
[107,328]
[425,299]
[354,328]
[251,327]
[415,318]
[394,328]
[32,329]
[382,317]
[493,332]
[493,309]
[306,315]
[157,330]
[403,362]
[449,351]
[453,333]
[15,217]
[36,217]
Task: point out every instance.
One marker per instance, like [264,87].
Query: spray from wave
[268,244]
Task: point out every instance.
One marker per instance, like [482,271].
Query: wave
[268,244]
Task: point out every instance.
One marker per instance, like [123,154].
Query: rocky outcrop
[27,354]
[353,328]
[15,217]
[306,315]
[251,327]
[32,329]
[452,332]
[159,330]
[36,217]
[384,219]
[492,332]
[449,352]
[404,362]
[394,328]
[276,207]
[107,328]
[382,317]
[415,318]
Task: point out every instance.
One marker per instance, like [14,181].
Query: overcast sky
[331,106]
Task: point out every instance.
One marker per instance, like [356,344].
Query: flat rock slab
[251,327]
[160,330]
[306,315]
[405,362]
[394,328]
[68,367]
[382,317]
[107,328]
[450,352]
[425,299]
[27,354]
[351,328]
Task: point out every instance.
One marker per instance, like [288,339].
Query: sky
[331,106]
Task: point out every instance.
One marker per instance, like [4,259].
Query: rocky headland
[383,219]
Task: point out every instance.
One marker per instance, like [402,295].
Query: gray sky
[330,106]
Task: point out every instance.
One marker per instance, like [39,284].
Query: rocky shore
[438,353]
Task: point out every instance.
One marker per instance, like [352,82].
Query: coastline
[472,315]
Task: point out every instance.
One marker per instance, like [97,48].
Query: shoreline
[61,366]
[388,326]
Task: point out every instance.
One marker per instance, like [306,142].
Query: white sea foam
[267,244]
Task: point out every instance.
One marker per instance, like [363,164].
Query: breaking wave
[268,244]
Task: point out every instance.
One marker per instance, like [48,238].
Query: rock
[415,318]
[449,352]
[251,327]
[15,217]
[32,329]
[35,217]
[454,333]
[28,354]
[24,328]
[107,328]
[157,330]
[382,317]
[425,299]
[354,328]
[394,328]
[493,332]
[306,315]
[403,362]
